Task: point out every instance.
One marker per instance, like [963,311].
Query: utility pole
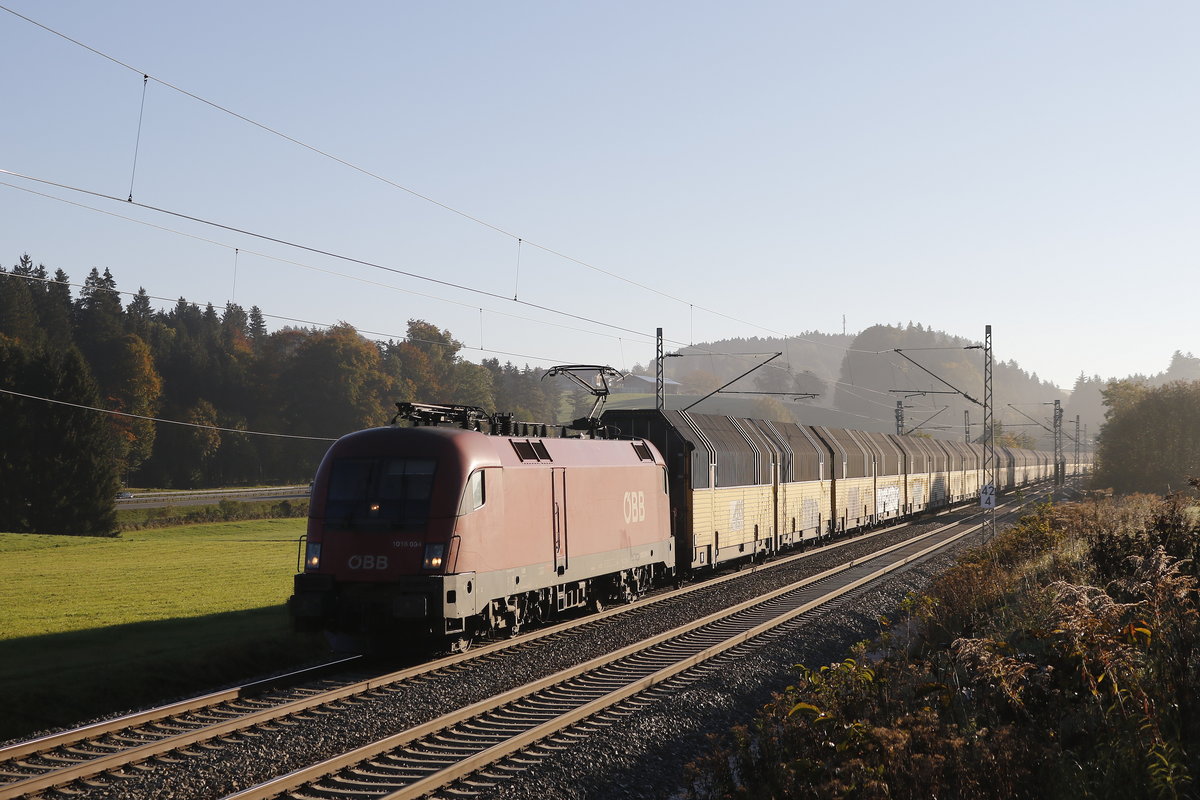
[899,417]
[966,426]
[987,493]
[1060,462]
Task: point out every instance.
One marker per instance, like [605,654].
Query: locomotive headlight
[434,554]
[312,556]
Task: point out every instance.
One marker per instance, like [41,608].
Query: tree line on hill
[212,374]
[186,382]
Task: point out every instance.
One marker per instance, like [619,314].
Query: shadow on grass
[66,679]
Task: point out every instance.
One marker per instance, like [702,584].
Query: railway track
[455,751]
[77,757]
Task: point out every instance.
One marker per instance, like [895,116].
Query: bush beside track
[94,626]
[136,519]
[1061,660]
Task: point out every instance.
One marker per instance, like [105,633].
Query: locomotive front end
[377,563]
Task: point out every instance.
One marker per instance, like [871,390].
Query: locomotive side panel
[416,530]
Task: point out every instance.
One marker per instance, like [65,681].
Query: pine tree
[16,437]
[258,327]
[139,314]
[55,312]
[56,472]
[18,312]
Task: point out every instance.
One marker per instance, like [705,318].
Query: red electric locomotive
[441,531]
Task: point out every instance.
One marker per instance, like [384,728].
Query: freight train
[459,524]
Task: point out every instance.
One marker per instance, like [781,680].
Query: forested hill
[929,376]
[861,378]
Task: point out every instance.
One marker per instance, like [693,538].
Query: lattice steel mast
[660,392]
[1078,467]
[1060,460]
[987,496]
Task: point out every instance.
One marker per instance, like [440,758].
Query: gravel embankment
[643,757]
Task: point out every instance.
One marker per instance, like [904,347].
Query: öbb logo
[367,562]
[635,507]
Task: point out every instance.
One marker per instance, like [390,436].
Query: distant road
[211,496]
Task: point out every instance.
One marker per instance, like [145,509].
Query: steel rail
[90,735]
[444,725]
[82,766]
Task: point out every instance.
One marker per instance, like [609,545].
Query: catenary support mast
[659,389]
[988,493]
[1060,461]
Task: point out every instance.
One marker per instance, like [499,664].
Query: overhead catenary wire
[318,251]
[292,262]
[163,420]
[520,239]
[420,195]
[382,335]
[138,141]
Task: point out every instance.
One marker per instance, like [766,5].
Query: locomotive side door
[558,492]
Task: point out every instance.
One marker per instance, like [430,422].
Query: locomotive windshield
[382,493]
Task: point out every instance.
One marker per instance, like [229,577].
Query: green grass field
[92,626]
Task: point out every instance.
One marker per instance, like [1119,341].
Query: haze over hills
[858,379]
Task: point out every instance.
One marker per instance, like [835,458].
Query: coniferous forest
[212,374]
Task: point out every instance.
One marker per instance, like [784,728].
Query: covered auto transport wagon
[744,488]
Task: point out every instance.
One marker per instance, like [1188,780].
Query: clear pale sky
[720,169]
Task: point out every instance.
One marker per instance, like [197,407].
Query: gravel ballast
[644,756]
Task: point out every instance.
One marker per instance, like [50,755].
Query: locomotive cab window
[380,493]
[475,494]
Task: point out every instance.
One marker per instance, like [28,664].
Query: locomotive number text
[367,562]
[635,507]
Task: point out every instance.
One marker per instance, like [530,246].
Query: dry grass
[1060,661]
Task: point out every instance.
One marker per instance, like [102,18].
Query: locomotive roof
[478,449]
